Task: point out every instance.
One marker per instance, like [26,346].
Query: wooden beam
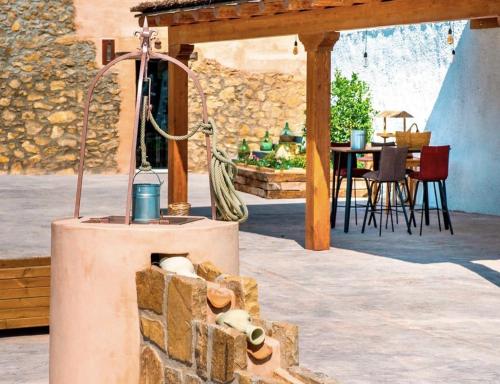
[372,14]
[178,123]
[489,22]
[318,48]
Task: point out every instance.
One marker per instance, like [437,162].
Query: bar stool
[434,163]
[340,170]
[391,172]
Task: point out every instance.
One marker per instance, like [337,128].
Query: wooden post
[178,124]
[318,47]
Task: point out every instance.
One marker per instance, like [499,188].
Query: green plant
[270,161]
[351,108]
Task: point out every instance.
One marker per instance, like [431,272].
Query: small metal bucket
[358,139]
[146,201]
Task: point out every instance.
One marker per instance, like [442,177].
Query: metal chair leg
[337,193]
[355,203]
[437,205]
[410,199]
[422,215]
[412,207]
[400,194]
[389,206]
[444,204]
[381,211]
[374,204]
[396,205]
[368,205]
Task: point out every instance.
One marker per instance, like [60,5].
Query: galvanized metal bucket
[358,139]
[146,201]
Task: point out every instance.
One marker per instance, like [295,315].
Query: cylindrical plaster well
[94,325]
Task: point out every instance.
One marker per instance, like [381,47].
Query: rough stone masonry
[181,345]
[45,72]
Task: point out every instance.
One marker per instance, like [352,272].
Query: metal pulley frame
[144,53]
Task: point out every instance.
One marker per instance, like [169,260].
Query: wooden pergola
[318,24]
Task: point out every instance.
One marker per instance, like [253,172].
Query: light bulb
[295,48]
[450,39]
[365,60]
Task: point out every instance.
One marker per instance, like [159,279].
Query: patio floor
[395,309]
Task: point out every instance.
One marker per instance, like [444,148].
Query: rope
[145,165]
[230,206]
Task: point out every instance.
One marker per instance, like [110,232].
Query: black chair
[391,172]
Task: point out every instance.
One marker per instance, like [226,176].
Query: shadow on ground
[476,237]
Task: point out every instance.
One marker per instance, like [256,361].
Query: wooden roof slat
[272,7]
[251,8]
[299,5]
[227,11]
[206,14]
[186,17]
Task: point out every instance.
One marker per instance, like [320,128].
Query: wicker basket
[413,140]
[179,209]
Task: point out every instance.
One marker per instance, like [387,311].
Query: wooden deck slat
[25,302]
[25,282]
[41,321]
[25,262]
[15,273]
[24,292]
[21,313]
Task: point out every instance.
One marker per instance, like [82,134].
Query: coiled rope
[229,205]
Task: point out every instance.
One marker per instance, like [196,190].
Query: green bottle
[286,130]
[243,150]
[266,144]
[286,135]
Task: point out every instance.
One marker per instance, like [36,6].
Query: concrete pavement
[395,309]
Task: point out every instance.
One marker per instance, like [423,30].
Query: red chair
[434,162]
[340,170]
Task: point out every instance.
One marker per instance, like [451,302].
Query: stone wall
[45,71]
[182,344]
[244,105]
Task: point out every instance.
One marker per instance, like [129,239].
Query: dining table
[351,154]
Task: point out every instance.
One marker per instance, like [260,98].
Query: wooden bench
[24,292]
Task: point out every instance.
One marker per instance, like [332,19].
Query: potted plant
[351,109]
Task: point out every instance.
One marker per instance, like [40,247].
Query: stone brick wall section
[44,75]
[179,345]
[244,105]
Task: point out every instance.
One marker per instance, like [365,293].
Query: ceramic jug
[179,265]
[240,320]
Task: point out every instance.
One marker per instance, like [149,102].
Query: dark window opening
[156,145]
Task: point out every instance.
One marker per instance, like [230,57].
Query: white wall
[466,115]
[406,66]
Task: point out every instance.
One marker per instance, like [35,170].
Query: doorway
[156,145]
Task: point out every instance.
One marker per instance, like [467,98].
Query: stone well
[94,318]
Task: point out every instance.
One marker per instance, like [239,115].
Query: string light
[365,54]
[296,47]
[450,39]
